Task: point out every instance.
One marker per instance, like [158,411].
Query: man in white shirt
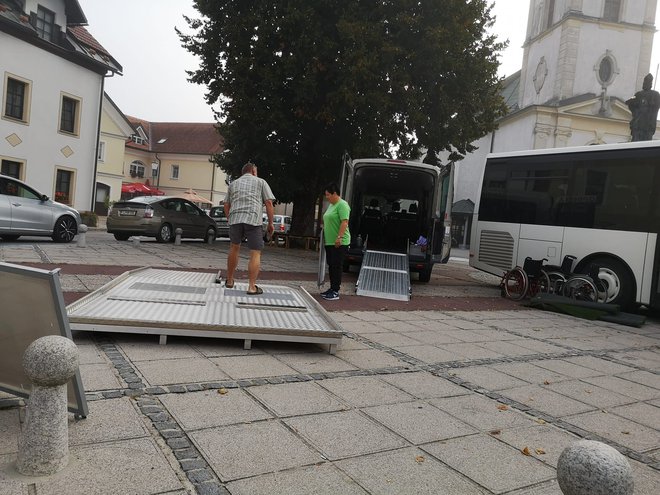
[243,205]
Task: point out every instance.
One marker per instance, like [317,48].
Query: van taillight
[148,212]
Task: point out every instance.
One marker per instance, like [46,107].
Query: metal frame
[29,306]
[203,314]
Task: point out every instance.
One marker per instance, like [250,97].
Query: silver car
[25,211]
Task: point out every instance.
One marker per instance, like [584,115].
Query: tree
[299,82]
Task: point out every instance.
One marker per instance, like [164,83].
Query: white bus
[600,204]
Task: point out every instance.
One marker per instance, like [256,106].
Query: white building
[51,79]
[582,60]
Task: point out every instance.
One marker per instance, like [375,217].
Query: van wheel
[346,267]
[425,275]
[121,237]
[618,281]
[9,237]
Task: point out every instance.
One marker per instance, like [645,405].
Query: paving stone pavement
[415,401]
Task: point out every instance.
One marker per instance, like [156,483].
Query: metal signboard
[31,306]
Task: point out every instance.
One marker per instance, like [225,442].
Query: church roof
[509,91]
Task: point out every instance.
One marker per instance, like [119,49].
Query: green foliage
[89,218]
[299,82]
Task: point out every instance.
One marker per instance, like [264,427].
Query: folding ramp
[192,304]
[384,275]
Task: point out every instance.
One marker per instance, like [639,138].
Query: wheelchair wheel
[580,288]
[557,281]
[515,284]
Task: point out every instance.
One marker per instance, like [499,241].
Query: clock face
[540,75]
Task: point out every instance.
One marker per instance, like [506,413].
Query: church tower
[576,48]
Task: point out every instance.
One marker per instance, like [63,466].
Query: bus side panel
[539,242]
[629,246]
[496,244]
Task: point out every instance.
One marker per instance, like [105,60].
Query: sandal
[228,285]
[256,292]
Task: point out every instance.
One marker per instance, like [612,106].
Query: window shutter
[33,19]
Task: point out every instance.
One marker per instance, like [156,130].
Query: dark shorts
[253,233]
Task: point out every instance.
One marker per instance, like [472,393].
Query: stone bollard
[178,232]
[136,241]
[82,235]
[49,363]
[594,468]
[210,239]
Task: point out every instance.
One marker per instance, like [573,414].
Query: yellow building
[170,158]
[175,157]
[110,170]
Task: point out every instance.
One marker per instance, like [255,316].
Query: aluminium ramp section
[384,275]
[191,304]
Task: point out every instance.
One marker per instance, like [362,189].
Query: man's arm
[226,205]
[269,212]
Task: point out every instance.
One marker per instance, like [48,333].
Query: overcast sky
[140,36]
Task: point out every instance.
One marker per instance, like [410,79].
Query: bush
[89,218]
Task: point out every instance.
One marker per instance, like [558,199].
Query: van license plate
[127,213]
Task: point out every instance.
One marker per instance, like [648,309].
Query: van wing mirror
[44,197]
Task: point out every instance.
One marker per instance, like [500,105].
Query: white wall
[41,142]
[625,47]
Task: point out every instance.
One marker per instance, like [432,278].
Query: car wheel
[164,233]
[65,229]
[122,237]
[210,235]
[9,237]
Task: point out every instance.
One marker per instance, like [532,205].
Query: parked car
[159,217]
[217,213]
[25,211]
[282,223]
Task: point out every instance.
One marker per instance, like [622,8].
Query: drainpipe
[158,175]
[98,140]
[212,182]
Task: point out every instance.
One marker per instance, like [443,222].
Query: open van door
[346,176]
[441,237]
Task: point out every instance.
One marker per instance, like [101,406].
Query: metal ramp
[192,304]
[384,275]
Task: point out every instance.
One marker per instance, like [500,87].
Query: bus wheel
[425,275]
[617,280]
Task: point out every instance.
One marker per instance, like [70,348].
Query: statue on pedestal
[644,107]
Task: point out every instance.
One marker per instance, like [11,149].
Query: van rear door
[441,238]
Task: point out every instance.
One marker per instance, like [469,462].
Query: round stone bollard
[49,363]
[178,232]
[594,468]
[136,241]
[82,235]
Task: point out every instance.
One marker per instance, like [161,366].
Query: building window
[101,154]
[175,172]
[612,10]
[63,186]
[11,168]
[17,98]
[137,139]
[45,23]
[69,115]
[606,69]
[137,169]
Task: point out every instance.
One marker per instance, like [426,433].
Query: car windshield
[217,212]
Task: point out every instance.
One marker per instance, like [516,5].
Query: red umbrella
[140,188]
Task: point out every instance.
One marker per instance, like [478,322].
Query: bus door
[440,241]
